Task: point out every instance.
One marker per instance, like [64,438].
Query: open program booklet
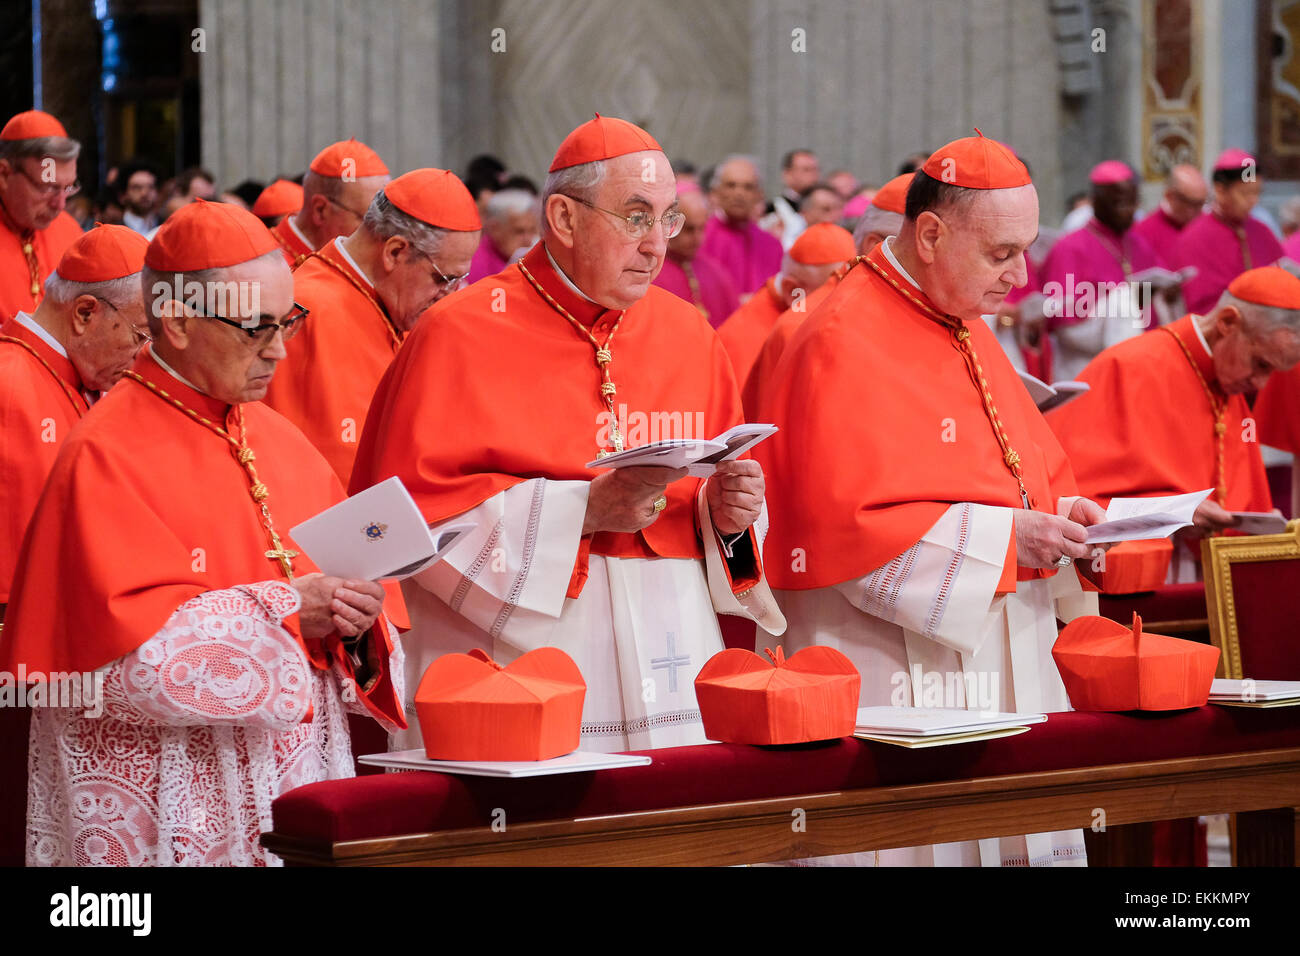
[697,456]
[377,533]
[1047,397]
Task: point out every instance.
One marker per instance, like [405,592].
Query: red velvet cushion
[420,802]
[14,724]
[1172,602]
[1266,626]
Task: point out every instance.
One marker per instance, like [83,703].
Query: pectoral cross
[283,555]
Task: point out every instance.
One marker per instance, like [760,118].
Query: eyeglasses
[49,189]
[260,336]
[449,283]
[139,337]
[639,224]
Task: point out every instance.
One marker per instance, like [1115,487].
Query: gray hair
[116,292]
[160,286]
[384,220]
[578,182]
[510,202]
[877,220]
[1262,320]
[58,148]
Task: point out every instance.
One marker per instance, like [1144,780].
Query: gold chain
[1218,408]
[962,343]
[603,356]
[78,402]
[244,455]
[33,267]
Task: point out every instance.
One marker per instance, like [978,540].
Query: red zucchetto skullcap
[599,139]
[33,124]
[1234,160]
[436,197]
[823,244]
[1269,285]
[977,162]
[348,158]
[281,198]
[892,197]
[208,235]
[1111,171]
[103,254]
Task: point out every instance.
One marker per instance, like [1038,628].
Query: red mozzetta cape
[1277,408]
[145,509]
[882,429]
[743,333]
[39,404]
[1147,428]
[48,245]
[493,387]
[325,384]
[295,250]
[778,337]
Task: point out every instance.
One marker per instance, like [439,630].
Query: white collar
[175,374]
[352,262]
[298,232]
[31,325]
[1201,336]
[565,279]
[885,247]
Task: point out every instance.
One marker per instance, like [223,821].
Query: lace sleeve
[222,658]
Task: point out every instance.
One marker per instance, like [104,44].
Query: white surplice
[929,625]
[202,726]
[639,632]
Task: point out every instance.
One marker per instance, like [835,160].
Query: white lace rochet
[202,727]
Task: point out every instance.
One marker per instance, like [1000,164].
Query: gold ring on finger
[660,504]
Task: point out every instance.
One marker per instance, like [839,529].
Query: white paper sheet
[1259,522]
[931,721]
[576,762]
[1228,688]
[1142,519]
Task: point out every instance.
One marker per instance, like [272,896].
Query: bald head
[1185,194]
[736,189]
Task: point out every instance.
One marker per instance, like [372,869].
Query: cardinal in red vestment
[924,517]
[185,664]
[38,172]
[336,191]
[1200,434]
[497,402]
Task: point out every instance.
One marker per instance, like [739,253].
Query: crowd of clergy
[186,374]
